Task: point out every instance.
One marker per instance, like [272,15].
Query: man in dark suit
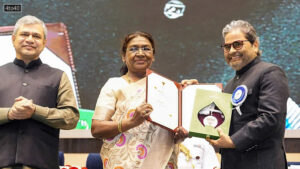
[260,93]
[36,101]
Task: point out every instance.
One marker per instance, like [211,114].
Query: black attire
[29,142]
[259,132]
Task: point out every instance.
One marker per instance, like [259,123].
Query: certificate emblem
[239,95]
[211,115]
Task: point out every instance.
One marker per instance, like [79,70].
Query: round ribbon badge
[239,95]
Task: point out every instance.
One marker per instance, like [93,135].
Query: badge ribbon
[239,95]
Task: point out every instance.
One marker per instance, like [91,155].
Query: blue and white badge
[239,95]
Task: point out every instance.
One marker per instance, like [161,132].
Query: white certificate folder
[172,103]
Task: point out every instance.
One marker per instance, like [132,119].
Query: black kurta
[258,133]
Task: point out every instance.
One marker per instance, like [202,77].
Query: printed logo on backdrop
[174,9]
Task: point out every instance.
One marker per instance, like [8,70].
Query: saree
[146,146]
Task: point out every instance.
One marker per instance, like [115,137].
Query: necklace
[130,80]
[127,78]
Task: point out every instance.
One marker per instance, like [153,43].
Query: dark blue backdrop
[187,47]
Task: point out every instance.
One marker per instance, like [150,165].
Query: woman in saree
[129,140]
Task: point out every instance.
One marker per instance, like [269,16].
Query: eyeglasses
[237,45]
[135,49]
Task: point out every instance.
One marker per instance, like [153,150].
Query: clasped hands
[23,108]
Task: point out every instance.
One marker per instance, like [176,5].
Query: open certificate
[197,108]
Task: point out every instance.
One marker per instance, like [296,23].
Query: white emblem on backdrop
[174,9]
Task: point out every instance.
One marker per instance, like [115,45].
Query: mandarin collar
[248,66]
[32,64]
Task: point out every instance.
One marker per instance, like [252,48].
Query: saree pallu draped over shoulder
[146,146]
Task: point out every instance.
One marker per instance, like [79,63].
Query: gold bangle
[120,126]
